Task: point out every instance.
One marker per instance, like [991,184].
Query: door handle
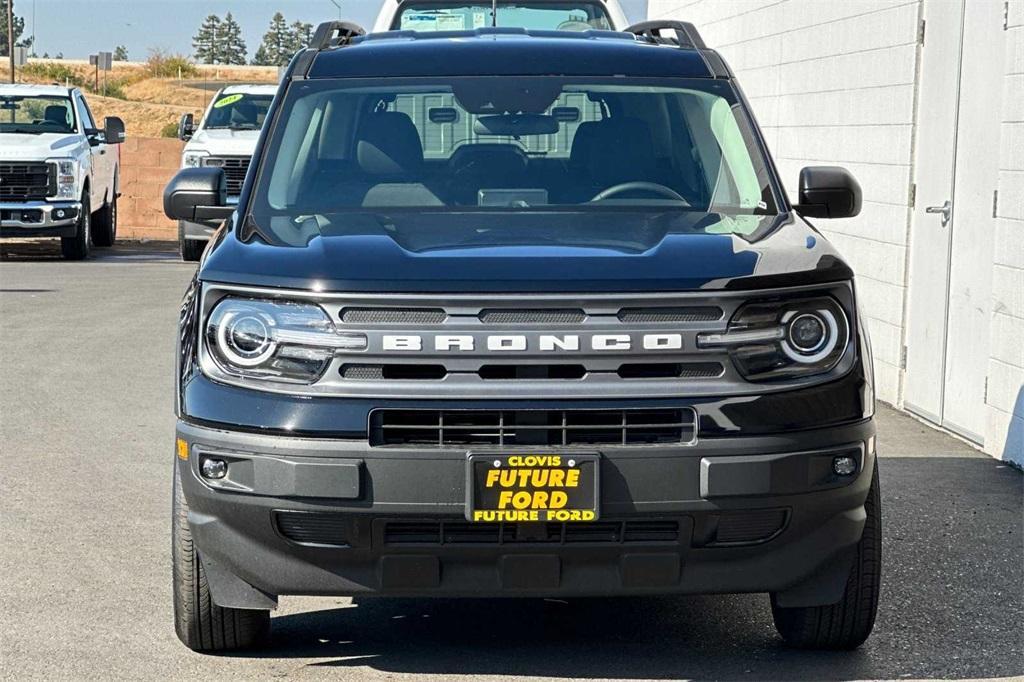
[946,211]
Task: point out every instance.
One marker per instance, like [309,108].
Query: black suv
[520,313]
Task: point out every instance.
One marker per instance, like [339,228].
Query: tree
[302,36]
[208,42]
[277,43]
[120,53]
[235,50]
[19,29]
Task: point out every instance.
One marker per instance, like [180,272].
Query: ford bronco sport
[520,313]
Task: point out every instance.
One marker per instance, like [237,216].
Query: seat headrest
[621,151]
[389,144]
[245,114]
[56,113]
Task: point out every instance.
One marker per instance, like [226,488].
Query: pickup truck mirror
[113,130]
[186,127]
[828,192]
[198,195]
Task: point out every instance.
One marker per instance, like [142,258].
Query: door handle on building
[946,210]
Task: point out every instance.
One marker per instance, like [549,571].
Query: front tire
[191,249]
[104,225]
[846,624]
[200,624]
[77,247]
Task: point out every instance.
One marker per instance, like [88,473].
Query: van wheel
[77,247]
[200,624]
[104,224]
[846,624]
[191,249]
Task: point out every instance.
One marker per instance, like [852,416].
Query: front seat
[57,115]
[389,160]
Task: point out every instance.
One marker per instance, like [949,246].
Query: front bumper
[320,516]
[39,219]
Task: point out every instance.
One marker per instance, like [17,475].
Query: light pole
[338,5]
[10,35]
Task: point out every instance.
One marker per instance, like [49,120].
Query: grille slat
[26,181]
[464,533]
[411,316]
[670,314]
[235,168]
[532,427]
[540,316]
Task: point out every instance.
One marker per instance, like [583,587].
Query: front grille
[393,316]
[543,316]
[235,168]
[667,314]
[27,181]
[314,528]
[464,533]
[531,371]
[440,428]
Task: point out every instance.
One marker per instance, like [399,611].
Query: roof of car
[31,89]
[506,51]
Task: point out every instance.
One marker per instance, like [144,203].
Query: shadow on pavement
[48,250]
[952,608]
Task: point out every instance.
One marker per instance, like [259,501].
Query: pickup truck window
[36,114]
[464,16]
[238,111]
[525,145]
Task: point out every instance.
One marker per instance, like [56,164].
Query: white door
[956,173]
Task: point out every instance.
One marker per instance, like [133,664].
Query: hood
[789,253]
[222,141]
[36,147]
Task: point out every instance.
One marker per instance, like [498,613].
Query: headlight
[67,178]
[784,339]
[193,159]
[274,340]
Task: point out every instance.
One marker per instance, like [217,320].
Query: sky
[78,28]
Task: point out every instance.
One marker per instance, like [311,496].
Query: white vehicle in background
[59,173]
[225,138]
[446,15]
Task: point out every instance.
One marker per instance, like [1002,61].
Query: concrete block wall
[1004,435]
[833,83]
[147,164]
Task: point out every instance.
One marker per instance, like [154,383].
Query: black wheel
[104,224]
[847,624]
[191,249]
[77,247]
[200,624]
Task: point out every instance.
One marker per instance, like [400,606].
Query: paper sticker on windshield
[479,19]
[230,99]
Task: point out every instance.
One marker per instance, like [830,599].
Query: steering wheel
[652,187]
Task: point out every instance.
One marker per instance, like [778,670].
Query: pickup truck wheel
[846,624]
[104,224]
[200,624]
[191,249]
[77,247]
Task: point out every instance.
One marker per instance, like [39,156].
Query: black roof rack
[686,34]
[335,33]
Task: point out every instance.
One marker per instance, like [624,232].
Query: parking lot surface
[86,433]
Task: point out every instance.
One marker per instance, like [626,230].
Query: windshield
[238,112]
[464,16]
[36,115]
[518,147]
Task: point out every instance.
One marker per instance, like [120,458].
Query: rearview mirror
[198,195]
[828,192]
[113,130]
[186,126]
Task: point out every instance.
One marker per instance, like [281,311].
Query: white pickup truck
[225,138]
[444,15]
[59,172]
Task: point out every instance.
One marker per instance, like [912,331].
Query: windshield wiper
[23,131]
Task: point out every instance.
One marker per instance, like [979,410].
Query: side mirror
[186,126]
[113,130]
[828,192]
[198,195]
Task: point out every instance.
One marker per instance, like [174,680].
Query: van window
[466,16]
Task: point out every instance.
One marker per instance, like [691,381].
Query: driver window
[84,115]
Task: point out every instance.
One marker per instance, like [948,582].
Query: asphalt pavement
[86,434]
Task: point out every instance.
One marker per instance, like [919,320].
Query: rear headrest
[55,113]
[389,144]
[621,151]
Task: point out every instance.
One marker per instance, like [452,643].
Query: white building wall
[1004,436]
[834,82]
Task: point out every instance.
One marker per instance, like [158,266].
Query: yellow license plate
[532,488]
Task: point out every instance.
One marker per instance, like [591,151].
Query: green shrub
[169,130]
[52,72]
[164,65]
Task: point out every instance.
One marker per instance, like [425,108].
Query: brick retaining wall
[147,164]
